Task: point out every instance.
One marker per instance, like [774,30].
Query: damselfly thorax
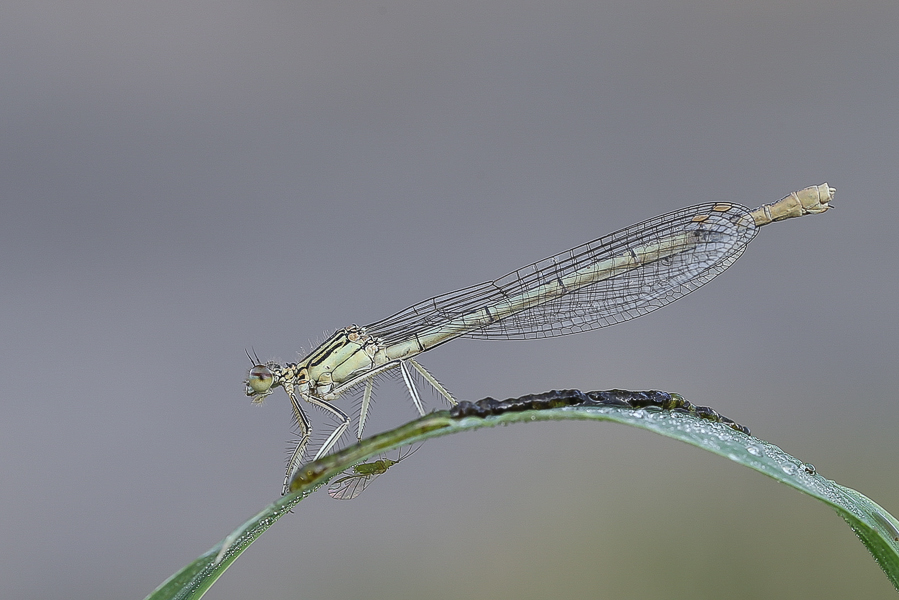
[348,358]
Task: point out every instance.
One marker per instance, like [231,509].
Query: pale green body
[351,356]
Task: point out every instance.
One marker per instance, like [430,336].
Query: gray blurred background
[184,181]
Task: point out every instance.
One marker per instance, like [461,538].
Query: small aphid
[353,481]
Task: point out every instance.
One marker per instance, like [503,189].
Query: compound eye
[259,380]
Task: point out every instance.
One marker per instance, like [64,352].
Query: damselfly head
[259,382]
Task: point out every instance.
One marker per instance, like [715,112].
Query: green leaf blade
[875,527]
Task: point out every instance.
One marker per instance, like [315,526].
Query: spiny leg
[354,381]
[407,377]
[338,431]
[296,457]
[368,378]
[436,384]
[366,401]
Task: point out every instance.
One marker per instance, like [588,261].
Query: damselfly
[353,482]
[612,279]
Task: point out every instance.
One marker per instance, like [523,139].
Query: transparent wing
[702,241]
[349,486]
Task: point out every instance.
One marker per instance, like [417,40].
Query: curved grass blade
[875,527]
